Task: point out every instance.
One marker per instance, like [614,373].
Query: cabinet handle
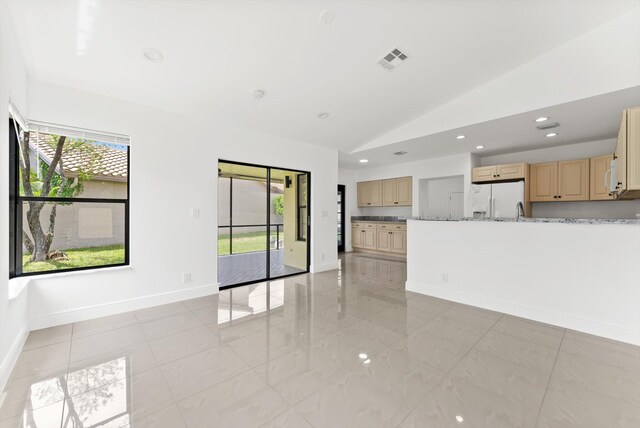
[559,197]
[395,202]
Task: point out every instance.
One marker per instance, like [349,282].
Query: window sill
[17,285]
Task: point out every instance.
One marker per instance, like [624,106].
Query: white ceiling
[218,52]
[590,119]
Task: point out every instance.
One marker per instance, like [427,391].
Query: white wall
[173,169]
[580,276]
[589,209]
[13,84]
[427,168]
[434,195]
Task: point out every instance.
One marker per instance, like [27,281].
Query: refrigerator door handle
[489,206]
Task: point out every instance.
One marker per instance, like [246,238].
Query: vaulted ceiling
[216,53]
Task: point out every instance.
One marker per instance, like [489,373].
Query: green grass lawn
[78,257]
[244,243]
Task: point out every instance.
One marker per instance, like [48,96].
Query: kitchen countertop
[538,220]
[378,218]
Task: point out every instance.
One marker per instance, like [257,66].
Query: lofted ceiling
[216,53]
[591,119]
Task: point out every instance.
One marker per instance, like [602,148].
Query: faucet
[519,210]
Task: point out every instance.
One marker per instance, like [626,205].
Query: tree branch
[46,182]
[25,167]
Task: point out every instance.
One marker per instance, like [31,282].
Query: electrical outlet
[195,212]
[445,277]
[322,256]
[186,277]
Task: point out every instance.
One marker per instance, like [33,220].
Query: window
[69,199]
[301,189]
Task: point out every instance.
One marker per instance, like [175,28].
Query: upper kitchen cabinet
[573,180]
[599,179]
[370,193]
[513,171]
[627,155]
[543,182]
[559,181]
[391,192]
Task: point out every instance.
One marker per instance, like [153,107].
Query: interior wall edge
[536,314]
[316,268]
[11,357]
[113,308]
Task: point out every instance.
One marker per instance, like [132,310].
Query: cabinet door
[383,240]
[389,192]
[375,198]
[543,182]
[633,148]
[399,241]
[364,193]
[484,173]
[405,189]
[510,171]
[599,178]
[573,180]
[369,239]
[621,154]
[356,237]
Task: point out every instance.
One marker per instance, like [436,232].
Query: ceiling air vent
[392,59]
[400,153]
[547,126]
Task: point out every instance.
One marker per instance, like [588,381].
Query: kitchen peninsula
[582,274]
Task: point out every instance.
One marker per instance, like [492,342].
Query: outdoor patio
[245,267]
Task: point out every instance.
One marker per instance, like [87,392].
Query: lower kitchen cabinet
[380,237]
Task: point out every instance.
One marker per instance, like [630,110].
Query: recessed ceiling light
[259,93]
[542,119]
[364,160]
[327,16]
[152,55]
[551,134]
[323,115]
[460,419]
[461,137]
[367,361]
[479,147]
[363,356]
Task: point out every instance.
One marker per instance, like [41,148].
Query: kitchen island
[581,274]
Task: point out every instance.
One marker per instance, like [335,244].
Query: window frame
[16,212]
[299,207]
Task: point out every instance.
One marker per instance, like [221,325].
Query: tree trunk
[48,238]
[39,253]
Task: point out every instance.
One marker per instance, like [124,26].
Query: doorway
[341,220]
[263,223]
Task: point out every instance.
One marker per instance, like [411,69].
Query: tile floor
[346,348]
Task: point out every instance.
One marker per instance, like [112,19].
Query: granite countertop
[539,220]
[378,218]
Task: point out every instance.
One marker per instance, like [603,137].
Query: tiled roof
[108,164]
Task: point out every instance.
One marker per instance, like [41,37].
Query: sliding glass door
[263,223]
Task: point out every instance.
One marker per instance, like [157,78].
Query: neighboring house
[82,225]
[249,204]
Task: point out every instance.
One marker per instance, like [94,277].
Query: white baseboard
[9,361]
[324,267]
[536,314]
[112,308]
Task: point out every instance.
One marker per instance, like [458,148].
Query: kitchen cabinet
[600,168]
[391,192]
[380,237]
[627,155]
[513,171]
[559,181]
[383,240]
[543,182]
[573,180]
[370,193]
[399,241]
